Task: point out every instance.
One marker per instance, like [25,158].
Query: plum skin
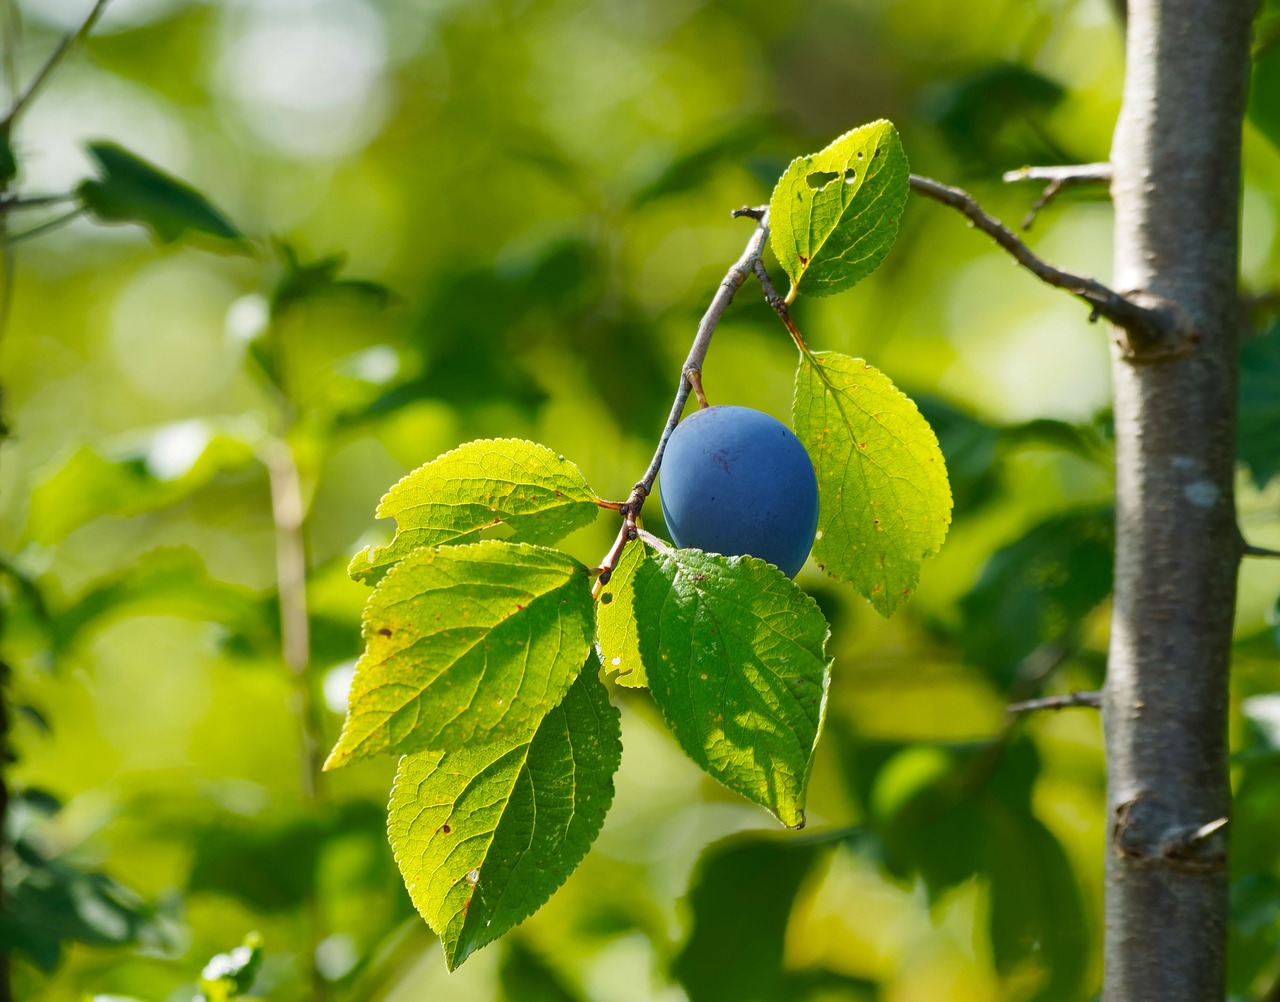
[737,481]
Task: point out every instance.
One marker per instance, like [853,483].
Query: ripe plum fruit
[737,481]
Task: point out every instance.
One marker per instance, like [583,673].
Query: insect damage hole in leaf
[484,640]
[485,833]
[828,237]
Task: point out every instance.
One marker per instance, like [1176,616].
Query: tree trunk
[1176,188]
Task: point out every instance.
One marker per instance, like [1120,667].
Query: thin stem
[12,26]
[780,306]
[46,227]
[1148,325]
[1249,550]
[51,64]
[11,201]
[690,380]
[1092,700]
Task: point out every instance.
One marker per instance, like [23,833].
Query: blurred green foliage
[502,218]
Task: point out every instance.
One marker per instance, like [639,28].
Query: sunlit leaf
[536,493]
[169,581]
[131,190]
[834,215]
[485,833]
[884,501]
[466,644]
[617,635]
[89,485]
[228,975]
[735,658]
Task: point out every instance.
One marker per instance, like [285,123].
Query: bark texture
[1176,157]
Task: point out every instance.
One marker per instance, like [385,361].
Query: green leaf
[466,644]
[89,485]
[8,159]
[1037,916]
[228,975]
[617,635]
[1035,590]
[1259,444]
[526,976]
[485,833]
[834,215]
[734,653]
[740,903]
[168,581]
[884,500]
[131,190]
[319,279]
[539,495]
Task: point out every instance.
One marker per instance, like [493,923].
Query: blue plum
[736,481]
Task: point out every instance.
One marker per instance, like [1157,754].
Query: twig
[1249,550]
[690,379]
[1059,178]
[1147,325]
[45,227]
[1062,702]
[52,63]
[12,200]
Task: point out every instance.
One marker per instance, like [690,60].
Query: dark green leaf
[1259,435]
[740,902]
[1035,590]
[735,657]
[131,190]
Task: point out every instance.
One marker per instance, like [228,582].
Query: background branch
[1060,178]
[1149,325]
[51,64]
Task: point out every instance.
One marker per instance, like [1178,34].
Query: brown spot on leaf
[384,632]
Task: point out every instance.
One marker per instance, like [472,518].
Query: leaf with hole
[617,636]
[884,501]
[735,656]
[485,833]
[466,644]
[834,215]
[538,495]
[131,190]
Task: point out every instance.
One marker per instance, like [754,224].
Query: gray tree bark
[1176,188]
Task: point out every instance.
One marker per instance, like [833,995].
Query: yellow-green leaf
[735,656]
[834,215]
[484,834]
[617,638]
[883,497]
[539,495]
[466,643]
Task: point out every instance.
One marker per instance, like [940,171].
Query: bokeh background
[531,198]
